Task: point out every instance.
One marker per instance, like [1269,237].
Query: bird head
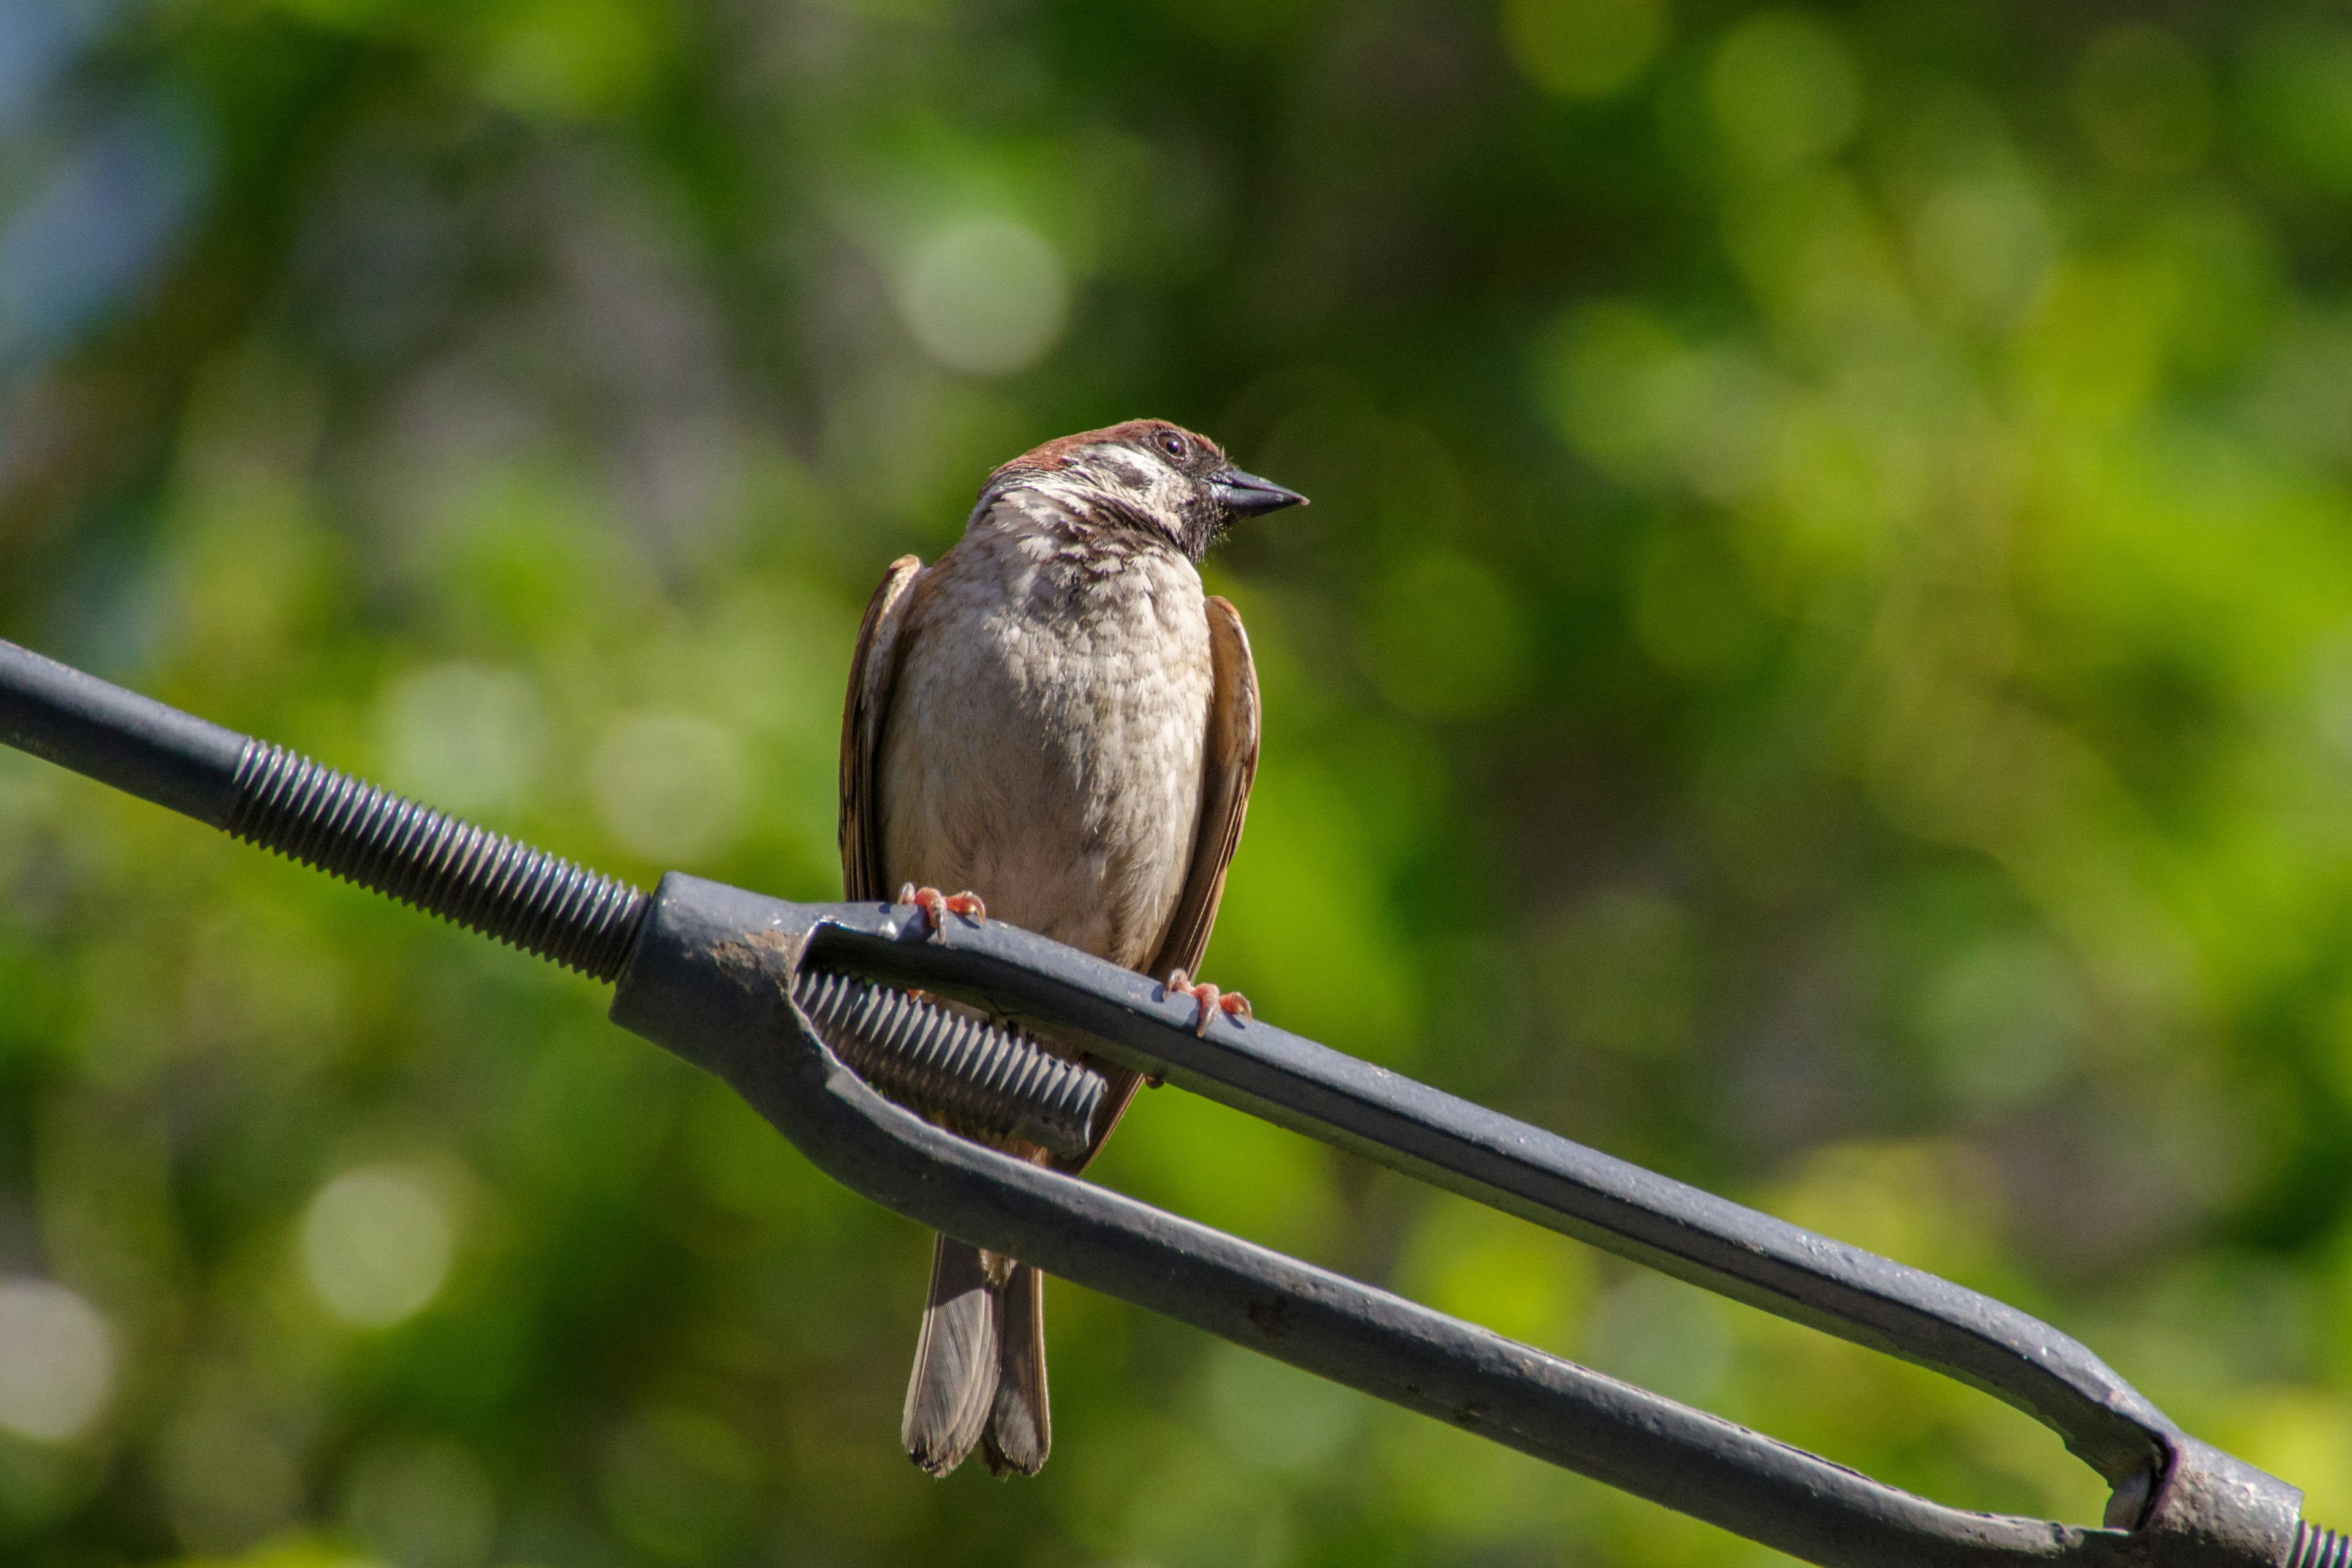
[1145,475]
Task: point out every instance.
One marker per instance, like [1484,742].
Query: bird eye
[1171,443]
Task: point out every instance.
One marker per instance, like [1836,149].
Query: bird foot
[937,906]
[1232,1004]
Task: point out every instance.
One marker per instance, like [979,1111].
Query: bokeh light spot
[227,1478]
[1603,375]
[376,1244]
[461,737]
[671,787]
[988,297]
[1784,90]
[1583,48]
[566,58]
[1980,251]
[423,1505]
[1643,408]
[56,1361]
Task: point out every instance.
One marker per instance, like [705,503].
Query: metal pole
[716,974]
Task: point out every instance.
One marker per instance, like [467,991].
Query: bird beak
[1246,495]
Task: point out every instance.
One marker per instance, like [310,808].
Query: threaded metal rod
[967,1072]
[958,1067]
[2318,1548]
[970,1073]
[482,880]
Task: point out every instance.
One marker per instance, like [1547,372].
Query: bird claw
[937,906]
[1232,1004]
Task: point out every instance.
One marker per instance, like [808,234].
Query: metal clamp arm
[1564,1186]
[714,974]
[712,979]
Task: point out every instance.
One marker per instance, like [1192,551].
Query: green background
[1821,662]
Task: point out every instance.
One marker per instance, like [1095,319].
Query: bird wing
[861,712]
[1228,768]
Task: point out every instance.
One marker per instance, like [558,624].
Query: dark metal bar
[711,979]
[1480,1154]
[135,744]
[710,972]
[306,812]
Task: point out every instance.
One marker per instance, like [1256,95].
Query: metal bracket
[711,979]
[710,971]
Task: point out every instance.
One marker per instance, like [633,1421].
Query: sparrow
[1055,719]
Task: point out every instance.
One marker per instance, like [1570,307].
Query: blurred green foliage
[1821,661]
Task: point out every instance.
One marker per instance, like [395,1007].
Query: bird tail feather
[953,1390]
[1021,1425]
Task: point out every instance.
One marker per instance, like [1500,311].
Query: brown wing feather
[861,712]
[1229,767]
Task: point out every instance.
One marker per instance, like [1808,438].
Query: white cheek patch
[1138,482]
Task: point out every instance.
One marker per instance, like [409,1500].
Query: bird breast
[1042,742]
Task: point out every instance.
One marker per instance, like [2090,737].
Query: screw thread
[2317,1548]
[467,875]
[970,1073]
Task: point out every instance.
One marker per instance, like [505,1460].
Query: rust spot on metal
[760,954]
